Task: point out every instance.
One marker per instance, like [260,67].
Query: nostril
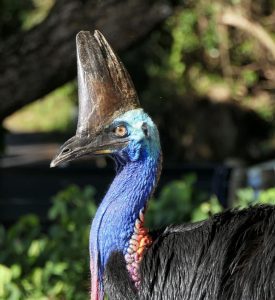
[66,150]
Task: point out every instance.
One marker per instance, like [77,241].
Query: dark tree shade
[36,62]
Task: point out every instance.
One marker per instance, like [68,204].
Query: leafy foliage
[249,196]
[179,194]
[188,54]
[195,68]
[189,68]
[49,264]
[11,15]
[52,263]
[183,58]
[17,15]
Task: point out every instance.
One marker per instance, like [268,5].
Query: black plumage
[230,256]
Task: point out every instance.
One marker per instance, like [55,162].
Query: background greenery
[210,89]
[53,263]
[189,68]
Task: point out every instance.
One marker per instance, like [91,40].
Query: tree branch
[233,18]
[36,62]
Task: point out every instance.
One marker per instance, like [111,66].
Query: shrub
[52,263]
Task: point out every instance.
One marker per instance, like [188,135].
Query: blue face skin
[137,173]
[143,135]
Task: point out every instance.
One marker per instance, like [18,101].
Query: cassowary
[229,256]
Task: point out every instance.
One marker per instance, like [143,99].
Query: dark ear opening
[144,127]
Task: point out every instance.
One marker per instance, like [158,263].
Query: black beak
[78,146]
[105,92]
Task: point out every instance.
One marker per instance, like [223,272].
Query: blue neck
[114,221]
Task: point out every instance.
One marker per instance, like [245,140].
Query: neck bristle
[119,222]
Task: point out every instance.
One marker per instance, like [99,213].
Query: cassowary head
[110,120]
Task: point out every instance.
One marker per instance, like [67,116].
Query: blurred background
[205,72]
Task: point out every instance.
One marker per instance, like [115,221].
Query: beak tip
[53,164]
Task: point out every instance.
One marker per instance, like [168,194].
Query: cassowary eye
[120,131]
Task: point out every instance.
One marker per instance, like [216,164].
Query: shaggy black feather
[117,283]
[228,257]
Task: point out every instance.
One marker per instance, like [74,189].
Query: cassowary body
[230,256]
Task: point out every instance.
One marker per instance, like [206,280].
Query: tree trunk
[36,62]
